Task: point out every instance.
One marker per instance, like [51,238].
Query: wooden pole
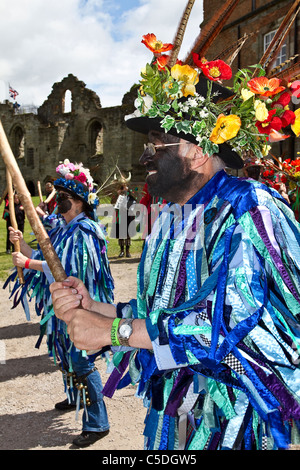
[13,220]
[180,33]
[41,235]
[40,191]
[51,196]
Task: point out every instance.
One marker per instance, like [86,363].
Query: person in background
[124,200]
[20,218]
[81,247]
[52,203]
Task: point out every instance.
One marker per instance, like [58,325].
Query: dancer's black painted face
[64,203]
[169,173]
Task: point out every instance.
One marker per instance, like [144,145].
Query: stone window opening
[18,143]
[67,102]
[96,139]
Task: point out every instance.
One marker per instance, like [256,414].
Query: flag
[12,93]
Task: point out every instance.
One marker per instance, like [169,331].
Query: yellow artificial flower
[246,94]
[296,126]
[226,128]
[261,112]
[188,75]
[265,150]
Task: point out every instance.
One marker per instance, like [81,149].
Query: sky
[98,41]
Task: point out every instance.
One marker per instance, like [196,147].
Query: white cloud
[98,41]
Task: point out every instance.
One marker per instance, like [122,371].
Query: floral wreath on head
[254,117]
[76,178]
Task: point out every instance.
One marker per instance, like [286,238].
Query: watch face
[125,330]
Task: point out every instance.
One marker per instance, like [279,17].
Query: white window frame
[282,56]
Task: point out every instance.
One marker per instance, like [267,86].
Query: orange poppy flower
[264,86]
[156,46]
[162,61]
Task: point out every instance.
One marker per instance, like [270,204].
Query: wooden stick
[41,235]
[51,196]
[13,220]
[180,33]
[40,191]
[211,30]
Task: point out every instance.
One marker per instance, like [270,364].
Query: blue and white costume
[219,288]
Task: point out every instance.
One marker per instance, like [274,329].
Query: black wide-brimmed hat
[144,124]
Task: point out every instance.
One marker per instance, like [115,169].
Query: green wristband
[114,332]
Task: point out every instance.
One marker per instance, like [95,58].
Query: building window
[18,142]
[67,102]
[282,56]
[96,138]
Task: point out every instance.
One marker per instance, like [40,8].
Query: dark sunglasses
[152,148]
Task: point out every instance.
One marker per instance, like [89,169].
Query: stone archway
[95,136]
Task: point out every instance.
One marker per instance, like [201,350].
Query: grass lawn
[6,260]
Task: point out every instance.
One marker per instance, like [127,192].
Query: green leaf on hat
[183,126]
[167,123]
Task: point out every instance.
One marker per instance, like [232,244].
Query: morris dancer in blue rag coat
[214,334]
[81,246]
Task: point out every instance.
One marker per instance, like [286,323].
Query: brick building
[262,18]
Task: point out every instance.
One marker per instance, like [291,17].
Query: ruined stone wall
[86,133]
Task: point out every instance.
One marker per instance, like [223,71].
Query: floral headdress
[255,115]
[78,180]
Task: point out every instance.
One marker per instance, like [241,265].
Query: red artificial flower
[283,100]
[162,61]
[283,179]
[296,164]
[287,118]
[81,177]
[272,122]
[215,70]
[264,86]
[156,46]
[268,173]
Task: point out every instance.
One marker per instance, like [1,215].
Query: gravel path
[30,385]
